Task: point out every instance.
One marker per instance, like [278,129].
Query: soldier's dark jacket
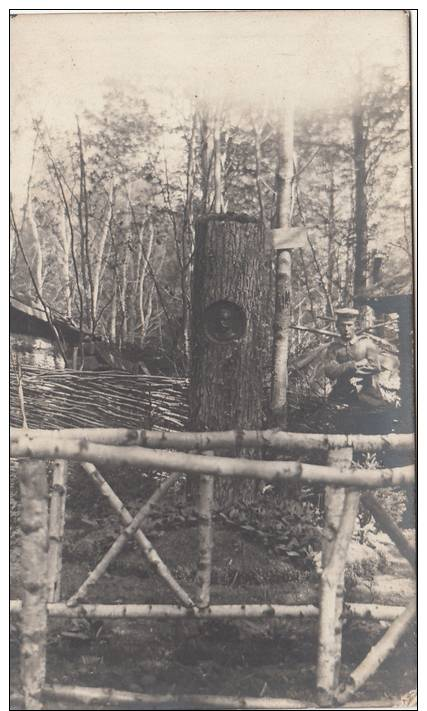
[341,365]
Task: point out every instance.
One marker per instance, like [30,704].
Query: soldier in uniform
[353,362]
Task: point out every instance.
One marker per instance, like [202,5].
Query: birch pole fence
[40,568]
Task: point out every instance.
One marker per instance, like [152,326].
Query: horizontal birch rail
[384,613]
[106,697]
[268,703]
[199,441]
[46,447]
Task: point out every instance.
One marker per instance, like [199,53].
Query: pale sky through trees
[60,63]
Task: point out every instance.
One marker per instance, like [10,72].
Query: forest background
[126,128]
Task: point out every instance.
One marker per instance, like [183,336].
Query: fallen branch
[46,447]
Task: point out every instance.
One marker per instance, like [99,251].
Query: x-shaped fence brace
[342,509]
[132,530]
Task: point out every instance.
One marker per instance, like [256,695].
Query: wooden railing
[42,532]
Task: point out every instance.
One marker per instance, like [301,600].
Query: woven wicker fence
[68,398]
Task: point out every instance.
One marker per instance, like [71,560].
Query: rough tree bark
[226,384]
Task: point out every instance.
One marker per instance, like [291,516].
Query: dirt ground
[244,658]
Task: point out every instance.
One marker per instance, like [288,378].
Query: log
[131,530]
[378,653]
[43,447]
[56,529]
[387,524]
[34,550]
[250,611]
[201,441]
[105,697]
[331,603]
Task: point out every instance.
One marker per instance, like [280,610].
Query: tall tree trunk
[130,305]
[218,199]
[361,205]
[123,294]
[99,255]
[143,314]
[282,316]
[188,245]
[113,317]
[83,218]
[37,248]
[66,247]
[204,160]
[331,238]
[227,374]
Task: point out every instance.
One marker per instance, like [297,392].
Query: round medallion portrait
[224,321]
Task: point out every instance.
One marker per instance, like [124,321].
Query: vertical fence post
[334,501]
[34,547]
[56,529]
[204,566]
[341,507]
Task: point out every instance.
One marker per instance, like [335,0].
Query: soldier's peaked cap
[346,313]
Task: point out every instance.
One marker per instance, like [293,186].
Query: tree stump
[228,335]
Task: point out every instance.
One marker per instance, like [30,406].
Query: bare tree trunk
[282,316]
[66,248]
[204,160]
[143,316]
[113,316]
[258,156]
[331,239]
[99,255]
[361,205]
[83,218]
[37,269]
[123,293]
[218,199]
[130,304]
[188,245]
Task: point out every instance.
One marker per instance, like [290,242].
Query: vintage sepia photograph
[212,371]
